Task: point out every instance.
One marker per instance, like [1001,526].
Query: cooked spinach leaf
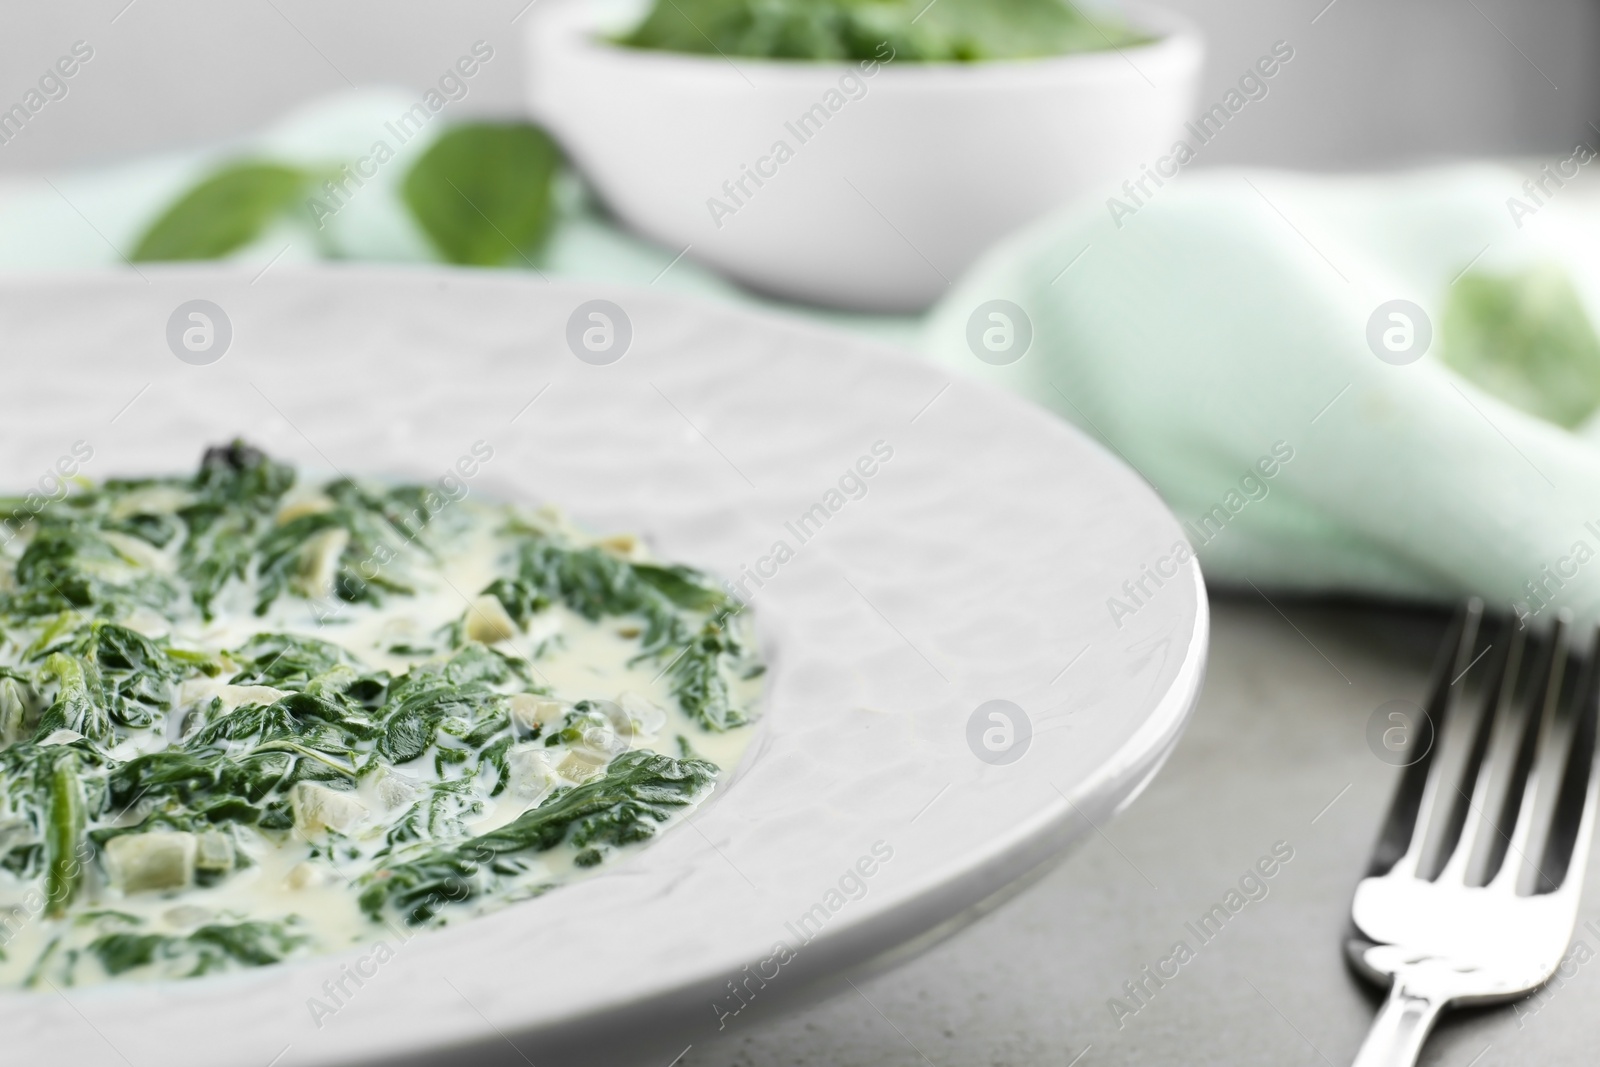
[637,793]
[596,583]
[210,948]
[64,850]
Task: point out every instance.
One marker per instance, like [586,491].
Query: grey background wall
[1373,82]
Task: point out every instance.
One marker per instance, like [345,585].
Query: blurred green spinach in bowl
[929,31]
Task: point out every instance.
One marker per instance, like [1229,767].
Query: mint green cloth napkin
[1215,337]
[1221,332]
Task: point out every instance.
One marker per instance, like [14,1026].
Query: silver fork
[1473,890]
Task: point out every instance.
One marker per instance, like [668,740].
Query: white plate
[976,567]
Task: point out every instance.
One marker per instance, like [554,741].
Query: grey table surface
[1275,752]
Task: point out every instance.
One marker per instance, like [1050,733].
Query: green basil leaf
[1526,339]
[225,211]
[482,192]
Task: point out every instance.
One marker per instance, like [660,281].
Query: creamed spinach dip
[244,719]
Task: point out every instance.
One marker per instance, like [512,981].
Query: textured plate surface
[975,566]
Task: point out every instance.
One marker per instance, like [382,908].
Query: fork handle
[1401,1027]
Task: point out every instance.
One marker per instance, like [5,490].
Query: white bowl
[888,200]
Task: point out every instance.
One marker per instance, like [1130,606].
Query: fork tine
[1511,755]
[1566,845]
[1414,807]
[1467,835]
[1535,765]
